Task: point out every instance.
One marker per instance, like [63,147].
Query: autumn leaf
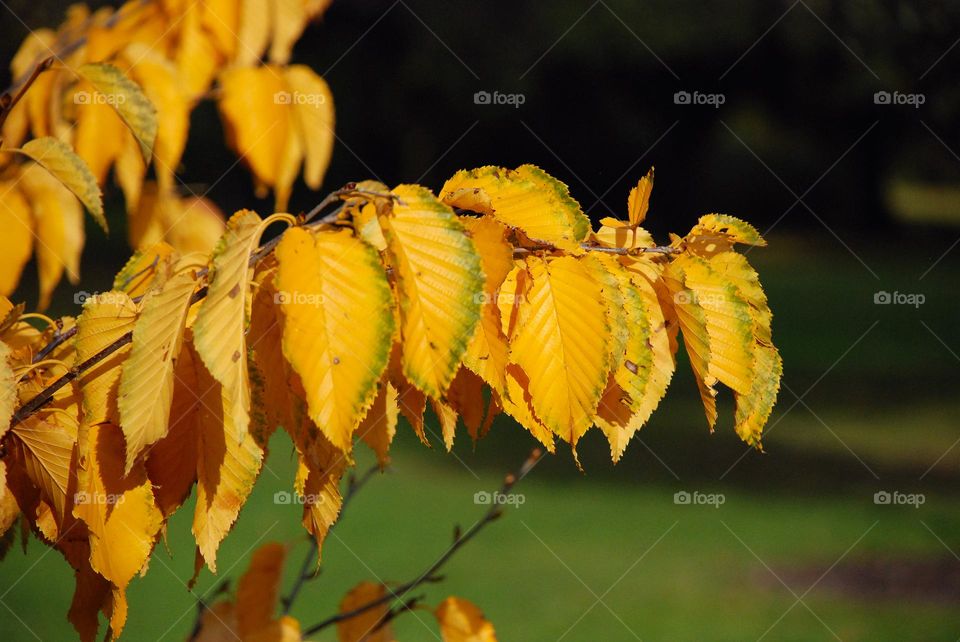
[259,588]
[439,279]
[129,101]
[61,161]
[16,245]
[561,344]
[221,323]
[461,621]
[147,379]
[365,626]
[526,198]
[338,325]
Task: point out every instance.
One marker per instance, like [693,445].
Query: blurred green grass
[608,555]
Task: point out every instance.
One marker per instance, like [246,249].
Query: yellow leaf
[639,200]
[253,33]
[172,462]
[734,229]
[516,403]
[313,112]
[439,279]
[275,401]
[526,198]
[338,325]
[257,119]
[161,85]
[119,510]
[8,389]
[465,397]
[148,376]
[226,469]
[126,97]
[205,29]
[146,269]
[364,627]
[194,226]
[380,425]
[259,587]
[693,324]
[486,353]
[562,344]
[320,466]
[45,451]
[285,629]
[58,220]
[105,319]
[288,19]
[16,245]
[221,323]
[461,621]
[753,408]
[61,161]
[729,324]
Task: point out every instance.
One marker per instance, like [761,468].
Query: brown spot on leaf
[234,291]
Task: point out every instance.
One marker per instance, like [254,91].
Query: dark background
[854,197]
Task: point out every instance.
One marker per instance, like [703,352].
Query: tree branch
[431,574]
[520,252]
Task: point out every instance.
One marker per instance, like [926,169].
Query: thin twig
[353,487]
[431,574]
[520,252]
[9,100]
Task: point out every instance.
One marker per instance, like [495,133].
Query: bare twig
[353,487]
[9,100]
[432,573]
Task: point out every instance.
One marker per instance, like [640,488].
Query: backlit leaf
[439,279]
[124,95]
[61,161]
[338,325]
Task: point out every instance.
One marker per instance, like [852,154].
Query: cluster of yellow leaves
[337,327]
[365,610]
[118,98]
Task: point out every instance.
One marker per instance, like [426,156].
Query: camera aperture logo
[899,98]
[486,498]
[298,98]
[696,498]
[96,98]
[698,98]
[899,298]
[284,497]
[314,299]
[896,498]
[498,98]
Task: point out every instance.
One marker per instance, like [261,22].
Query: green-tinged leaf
[440,283]
[129,101]
[63,163]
